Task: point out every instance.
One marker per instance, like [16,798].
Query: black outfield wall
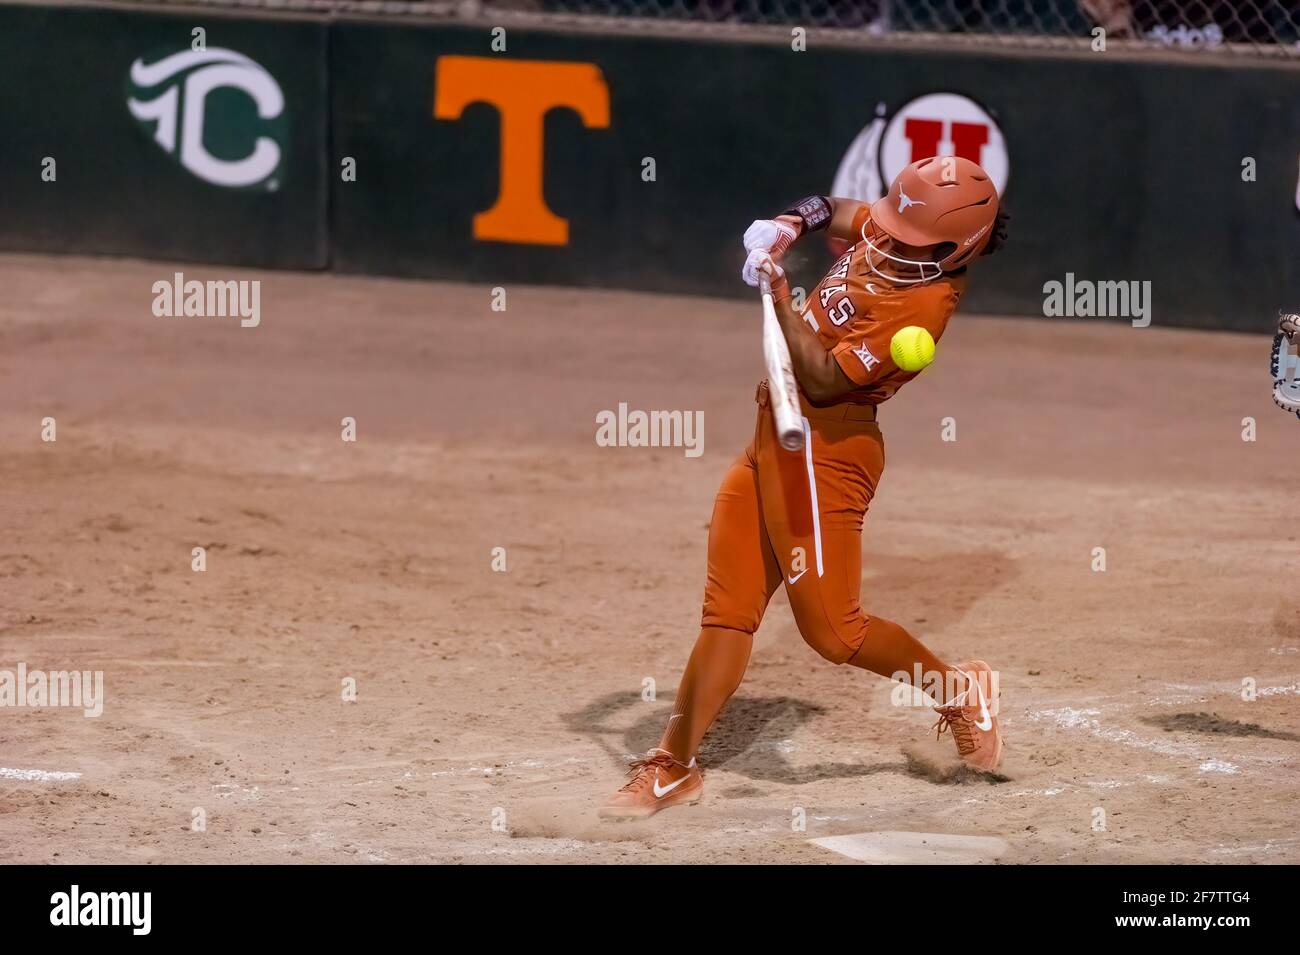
[1118,169]
[66,76]
[633,161]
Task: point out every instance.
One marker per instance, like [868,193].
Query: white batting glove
[765,265]
[766,234]
[753,261]
[769,237]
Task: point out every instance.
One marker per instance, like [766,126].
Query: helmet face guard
[925,270]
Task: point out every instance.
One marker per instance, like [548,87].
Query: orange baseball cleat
[658,781]
[972,718]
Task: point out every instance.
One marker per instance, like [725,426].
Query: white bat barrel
[782,389]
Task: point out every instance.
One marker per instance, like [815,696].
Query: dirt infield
[494,709]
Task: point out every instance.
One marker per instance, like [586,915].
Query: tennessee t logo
[523,92]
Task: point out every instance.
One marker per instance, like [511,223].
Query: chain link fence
[1252,27]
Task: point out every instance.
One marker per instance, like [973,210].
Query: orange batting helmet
[943,201]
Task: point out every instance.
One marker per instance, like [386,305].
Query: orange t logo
[523,92]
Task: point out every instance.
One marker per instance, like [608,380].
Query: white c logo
[209,70]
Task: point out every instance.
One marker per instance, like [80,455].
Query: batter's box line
[37,775]
[1070,718]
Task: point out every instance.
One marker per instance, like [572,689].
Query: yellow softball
[912,348]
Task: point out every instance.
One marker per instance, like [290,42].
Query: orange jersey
[855,314]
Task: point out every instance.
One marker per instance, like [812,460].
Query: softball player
[796,518]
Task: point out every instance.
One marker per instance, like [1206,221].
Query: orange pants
[781,516]
[797,517]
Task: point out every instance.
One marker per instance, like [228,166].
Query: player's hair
[998,237]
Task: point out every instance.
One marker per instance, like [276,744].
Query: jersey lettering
[842,311]
[829,292]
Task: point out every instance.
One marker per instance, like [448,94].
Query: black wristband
[815,211]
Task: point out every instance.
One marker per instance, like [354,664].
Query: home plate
[915,848]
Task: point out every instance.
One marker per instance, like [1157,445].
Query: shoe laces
[953,718]
[651,760]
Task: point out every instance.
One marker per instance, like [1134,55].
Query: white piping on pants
[812,493]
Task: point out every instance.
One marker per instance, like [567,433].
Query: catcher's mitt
[1285,364]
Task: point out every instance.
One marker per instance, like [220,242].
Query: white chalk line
[37,775]
[508,766]
[1199,692]
[1070,718]
[328,841]
[226,790]
[539,846]
[1272,845]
